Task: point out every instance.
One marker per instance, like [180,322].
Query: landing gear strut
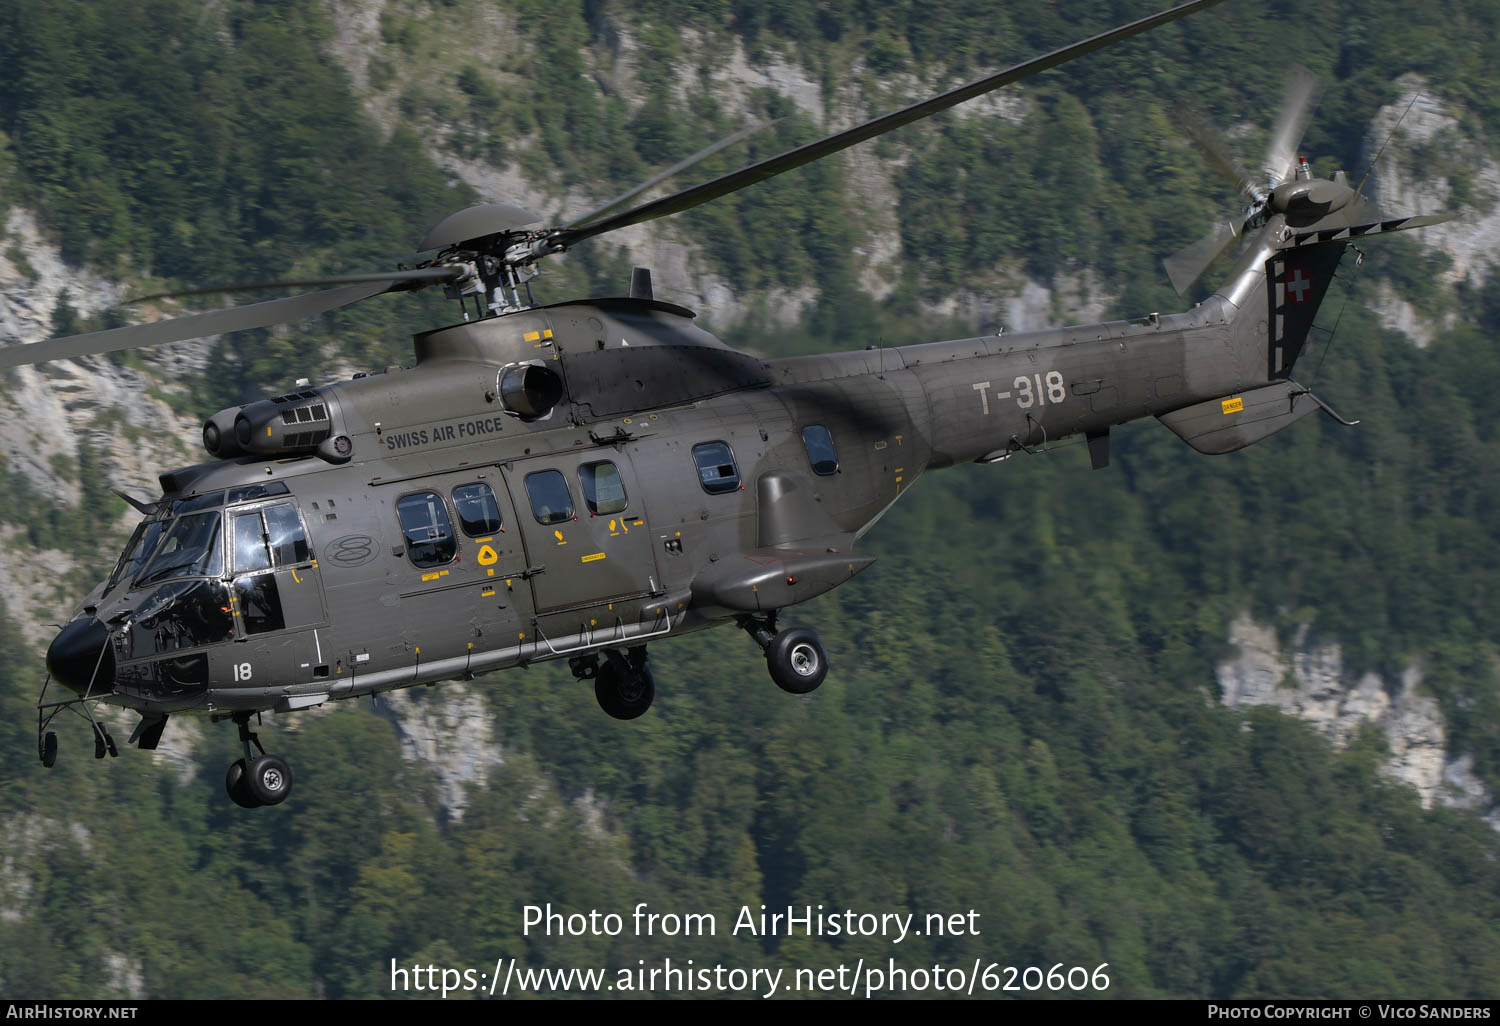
[623,683]
[256,780]
[795,656]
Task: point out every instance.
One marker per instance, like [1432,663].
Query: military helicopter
[576,480]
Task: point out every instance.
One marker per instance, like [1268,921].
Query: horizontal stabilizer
[1359,231]
[1244,418]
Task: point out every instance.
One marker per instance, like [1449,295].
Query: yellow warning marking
[560,539]
[611,525]
[490,572]
[488,556]
[429,577]
[487,593]
[531,336]
[547,333]
[595,557]
[295,577]
[898,478]
[627,420]
[315,564]
[471,644]
[483,540]
[1234,405]
[419,650]
[522,636]
[593,622]
[268,430]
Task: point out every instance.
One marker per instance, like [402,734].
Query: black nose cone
[80,656]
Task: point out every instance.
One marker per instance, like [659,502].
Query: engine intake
[530,390]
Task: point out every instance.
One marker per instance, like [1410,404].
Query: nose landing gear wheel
[797,660]
[236,784]
[624,691]
[269,779]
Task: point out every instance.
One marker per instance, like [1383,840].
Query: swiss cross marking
[1297,285]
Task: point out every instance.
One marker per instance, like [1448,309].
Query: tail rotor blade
[1187,265]
[1210,142]
[1291,123]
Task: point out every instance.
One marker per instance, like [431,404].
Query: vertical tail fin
[1297,280]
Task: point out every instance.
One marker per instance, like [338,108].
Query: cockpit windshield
[142,544]
[190,549]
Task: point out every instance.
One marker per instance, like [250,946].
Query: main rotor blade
[417,274]
[1281,154]
[677,168]
[214,322]
[734,181]
[1187,265]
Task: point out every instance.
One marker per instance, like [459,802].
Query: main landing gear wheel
[624,685]
[797,660]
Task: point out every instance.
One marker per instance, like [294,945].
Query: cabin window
[602,488]
[550,501]
[284,532]
[478,512]
[717,472]
[820,451]
[428,532]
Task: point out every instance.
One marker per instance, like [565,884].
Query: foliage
[1021,716]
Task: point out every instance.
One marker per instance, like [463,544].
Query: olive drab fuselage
[674,484]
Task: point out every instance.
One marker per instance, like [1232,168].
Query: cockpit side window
[190,549]
[428,532]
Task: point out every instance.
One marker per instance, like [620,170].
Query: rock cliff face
[1431,164]
[1308,680]
[679,271]
[451,731]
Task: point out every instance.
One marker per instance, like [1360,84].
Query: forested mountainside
[1029,708]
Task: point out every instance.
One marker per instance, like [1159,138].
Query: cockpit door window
[250,552]
[285,535]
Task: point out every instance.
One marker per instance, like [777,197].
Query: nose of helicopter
[80,656]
